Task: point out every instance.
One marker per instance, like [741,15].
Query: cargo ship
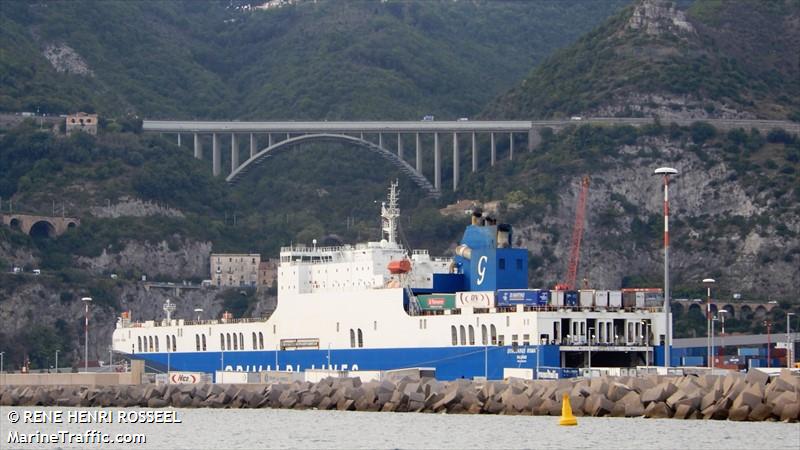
[378,306]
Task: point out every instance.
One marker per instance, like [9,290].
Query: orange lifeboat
[399,267]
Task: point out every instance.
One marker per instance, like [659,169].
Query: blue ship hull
[450,362]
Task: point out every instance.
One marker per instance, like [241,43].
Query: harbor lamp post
[665,172]
[591,338]
[198,311]
[169,308]
[646,340]
[708,282]
[789,343]
[713,352]
[56,361]
[86,301]
[1,361]
[722,313]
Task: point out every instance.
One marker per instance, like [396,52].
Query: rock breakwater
[753,397]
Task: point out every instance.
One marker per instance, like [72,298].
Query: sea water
[271,428]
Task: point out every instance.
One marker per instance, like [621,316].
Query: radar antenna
[390,213]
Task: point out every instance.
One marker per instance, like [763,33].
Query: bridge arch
[398,162]
[42,228]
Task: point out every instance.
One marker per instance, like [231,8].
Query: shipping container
[615,299]
[475,299]
[436,301]
[511,297]
[544,298]
[557,298]
[571,298]
[695,361]
[601,299]
[586,297]
[653,299]
[748,351]
[640,299]
[629,299]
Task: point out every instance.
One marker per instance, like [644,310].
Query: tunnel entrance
[42,229]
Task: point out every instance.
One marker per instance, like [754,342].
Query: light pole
[712,340]
[708,282]
[56,361]
[198,311]
[646,344]
[769,342]
[86,301]
[110,358]
[722,313]
[1,361]
[666,172]
[591,338]
[789,343]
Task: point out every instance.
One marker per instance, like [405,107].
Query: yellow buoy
[567,418]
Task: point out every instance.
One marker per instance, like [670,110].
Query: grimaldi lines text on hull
[377,306]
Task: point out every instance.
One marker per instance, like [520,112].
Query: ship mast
[390,214]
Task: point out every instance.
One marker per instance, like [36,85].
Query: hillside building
[267,272]
[235,269]
[82,122]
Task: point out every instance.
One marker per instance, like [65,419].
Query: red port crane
[577,235]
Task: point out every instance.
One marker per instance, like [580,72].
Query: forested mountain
[718,59]
[311,60]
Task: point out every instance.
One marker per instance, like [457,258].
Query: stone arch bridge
[738,310]
[46,226]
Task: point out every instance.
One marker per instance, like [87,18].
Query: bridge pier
[216,157]
[534,139]
[270,141]
[198,147]
[419,155]
[380,140]
[510,146]
[234,151]
[437,163]
[179,139]
[253,149]
[399,146]
[474,153]
[494,150]
[456,162]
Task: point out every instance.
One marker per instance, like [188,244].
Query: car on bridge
[427,119]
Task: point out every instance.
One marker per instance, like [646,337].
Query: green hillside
[734,58]
[319,60]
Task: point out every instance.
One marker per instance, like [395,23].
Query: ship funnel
[503,235]
[476,216]
[490,221]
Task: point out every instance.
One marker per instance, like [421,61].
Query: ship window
[228,341]
[241,341]
[174,344]
[463,335]
[197,341]
[156,341]
[139,341]
[360,338]
[484,337]
[204,342]
[337,327]
[454,334]
[501,264]
[494,334]
[508,321]
[255,342]
[420,324]
[352,338]
[375,325]
[526,339]
[260,341]
[274,329]
[514,339]
[501,340]
[222,341]
[150,347]
[235,342]
[471,335]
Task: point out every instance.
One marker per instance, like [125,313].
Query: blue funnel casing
[488,267]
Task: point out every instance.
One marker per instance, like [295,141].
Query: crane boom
[577,235]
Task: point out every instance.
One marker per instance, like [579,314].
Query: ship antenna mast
[390,213]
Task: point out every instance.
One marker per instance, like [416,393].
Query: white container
[557,298]
[479,299]
[615,299]
[601,299]
[586,298]
[640,300]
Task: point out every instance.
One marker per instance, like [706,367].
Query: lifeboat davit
[400,266]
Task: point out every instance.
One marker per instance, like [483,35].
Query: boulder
[755,376]
[760,413]
[633,404]
[739,413]
[157,403]
[790,412]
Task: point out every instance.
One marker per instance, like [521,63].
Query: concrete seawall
[739,397]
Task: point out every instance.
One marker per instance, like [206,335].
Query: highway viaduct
[267,137]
